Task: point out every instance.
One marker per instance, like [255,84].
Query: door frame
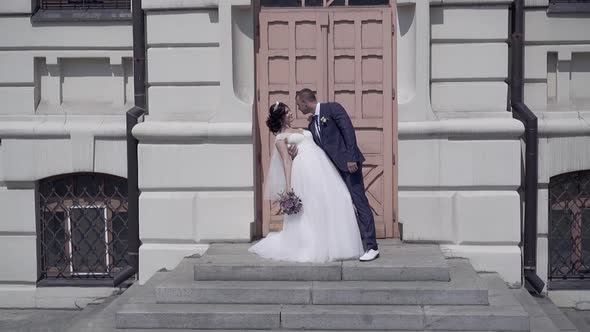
[257,225]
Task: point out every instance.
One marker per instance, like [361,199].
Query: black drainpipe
[134,116]
[521,112]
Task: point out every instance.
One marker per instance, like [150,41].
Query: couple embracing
[323,167]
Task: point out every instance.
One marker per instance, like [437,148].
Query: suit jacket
[337,136]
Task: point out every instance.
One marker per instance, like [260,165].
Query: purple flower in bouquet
[289,203]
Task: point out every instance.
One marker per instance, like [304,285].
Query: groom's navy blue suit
[337,138]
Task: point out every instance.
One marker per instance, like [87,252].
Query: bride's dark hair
[276,117]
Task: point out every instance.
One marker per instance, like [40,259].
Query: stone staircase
[410,288]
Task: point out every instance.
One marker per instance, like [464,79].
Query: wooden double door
[345,55]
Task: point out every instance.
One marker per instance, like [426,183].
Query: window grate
[83,226]
[322,3]
[569,222]
[85,4]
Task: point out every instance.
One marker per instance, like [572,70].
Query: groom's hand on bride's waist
[293,151]
[352,166]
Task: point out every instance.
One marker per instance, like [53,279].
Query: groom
[333,131]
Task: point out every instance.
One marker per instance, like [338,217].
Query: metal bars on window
[569,227]
[568,7]
[322,3]
[85,4]
[83,225]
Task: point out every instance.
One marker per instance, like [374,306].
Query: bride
[326,228]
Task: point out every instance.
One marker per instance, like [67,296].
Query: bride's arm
[287,162]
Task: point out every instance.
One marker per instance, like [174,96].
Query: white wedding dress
[326,228]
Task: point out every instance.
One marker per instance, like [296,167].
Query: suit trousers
[356,187]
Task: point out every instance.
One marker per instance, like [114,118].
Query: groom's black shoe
[369,255]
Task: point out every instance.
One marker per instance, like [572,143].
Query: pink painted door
[345,55]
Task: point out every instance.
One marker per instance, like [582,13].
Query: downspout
[134,116]
[139,52]
[521,112]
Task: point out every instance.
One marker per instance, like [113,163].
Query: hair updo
[276,117]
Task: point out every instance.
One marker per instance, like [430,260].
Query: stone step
[198,316]
[318,292]
[252,268]
[485,318]
[397,263]
[465,287]
[402,293]
[236,292]
[281,330]
[322,317]
[458,318]
[344,292]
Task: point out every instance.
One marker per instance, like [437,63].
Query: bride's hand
[292,151]
[352,167]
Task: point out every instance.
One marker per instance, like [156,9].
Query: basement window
[322,3]
[82,10]
[568,7]
[82,229]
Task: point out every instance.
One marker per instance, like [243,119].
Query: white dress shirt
[317,119]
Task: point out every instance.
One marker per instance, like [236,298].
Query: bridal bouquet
[289,203]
